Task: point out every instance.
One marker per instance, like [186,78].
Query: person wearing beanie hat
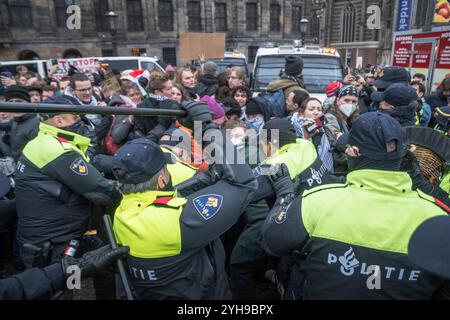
[333,222]
[208,82]
[35,93]
[333,88]
[256,113]
[24,125]
[293,65]
[16,94]
[217,111]
[290,80]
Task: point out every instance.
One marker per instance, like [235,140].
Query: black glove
[281,181]
[94,261]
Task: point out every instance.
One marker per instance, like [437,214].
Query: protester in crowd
[179,94]
[419,77]
[208,82]
[132,92]
[233,110]
[256,113]
[25,125]
[241,94]
[48,91]
[308,125]
[35,93]
[423,112]
[63,84]
[440,98]
[331,91]
[217,111]
[185,78]
[236,77]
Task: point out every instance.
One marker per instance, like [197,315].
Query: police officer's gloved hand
[94,261]
[281,181]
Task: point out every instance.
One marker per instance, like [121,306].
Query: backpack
[109,146]
[277,103]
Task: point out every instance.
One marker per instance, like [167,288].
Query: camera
[318,124]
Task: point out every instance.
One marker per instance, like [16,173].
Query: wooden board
[192,44]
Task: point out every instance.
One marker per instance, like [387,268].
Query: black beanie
[252,108]
[16,92]
[294,65]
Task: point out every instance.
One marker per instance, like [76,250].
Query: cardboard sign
[192,44]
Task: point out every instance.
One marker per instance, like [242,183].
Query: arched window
[71,53]
[28,55]
[348,24]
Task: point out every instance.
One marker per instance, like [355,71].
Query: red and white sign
[84,65]
[418,46]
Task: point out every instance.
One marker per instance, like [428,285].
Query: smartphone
[54,62]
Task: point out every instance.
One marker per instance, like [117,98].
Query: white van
[119,63]
[320,67]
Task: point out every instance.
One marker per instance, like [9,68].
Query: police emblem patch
[79,166]
[257,172]
[208,205]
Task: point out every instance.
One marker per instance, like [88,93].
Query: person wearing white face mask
[343,112]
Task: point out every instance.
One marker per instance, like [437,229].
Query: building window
[251,11]
[137,52]
[20,13]
[421,13]
[296,17]
[315,28]
[348,24]
[61,13]
[252,50]
[165,15]
[100,9]
[169,56]
[134,15]
[275,17]
[221,16]
[194,15]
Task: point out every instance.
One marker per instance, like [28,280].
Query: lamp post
[303,27]
[112,19]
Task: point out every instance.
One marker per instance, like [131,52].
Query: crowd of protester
[232,107]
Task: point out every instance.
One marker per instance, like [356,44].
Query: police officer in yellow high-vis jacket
[354,237]
[175,252]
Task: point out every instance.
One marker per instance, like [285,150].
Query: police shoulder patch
[208,205]
[79,166]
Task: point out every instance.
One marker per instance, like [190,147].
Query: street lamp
[112,19]
[303,27]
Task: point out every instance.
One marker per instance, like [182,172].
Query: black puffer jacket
[24,129]
[153,128]
[207,85]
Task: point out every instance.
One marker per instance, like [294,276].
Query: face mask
[347,109]
[75,127]
[256,123]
